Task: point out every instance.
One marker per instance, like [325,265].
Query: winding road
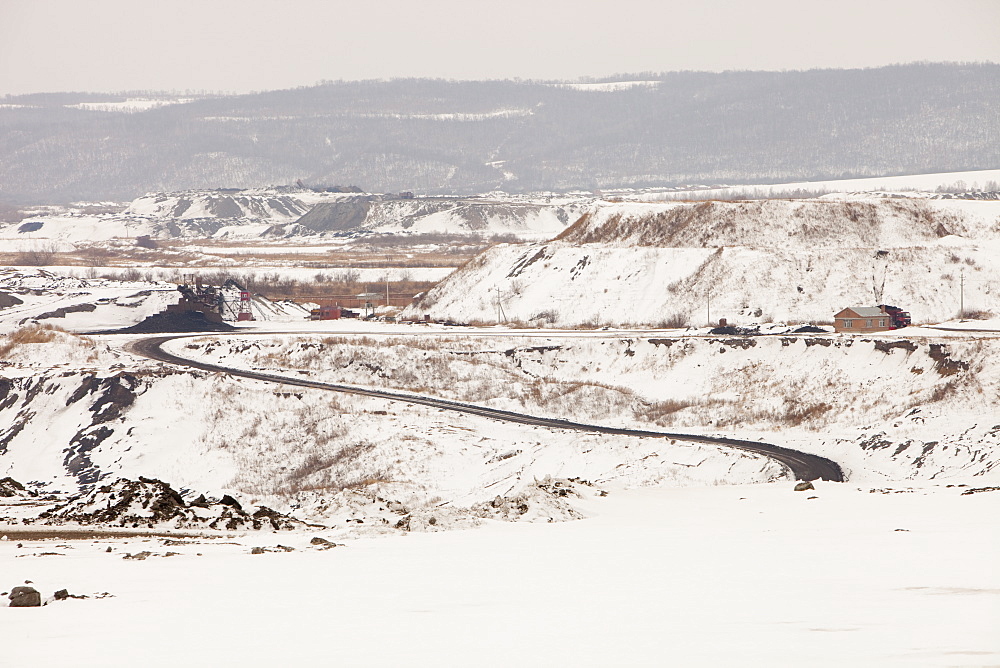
[802,465]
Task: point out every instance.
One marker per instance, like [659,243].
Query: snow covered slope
[446,215]
[323,453]
[290,212]
[77,411]
[800,260]
[885,409]
[97,304]
[79,304]
[229,204]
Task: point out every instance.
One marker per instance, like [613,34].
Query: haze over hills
[445,137]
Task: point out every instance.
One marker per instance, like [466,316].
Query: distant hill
[272,213]
[441,137]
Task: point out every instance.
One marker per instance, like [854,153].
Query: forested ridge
[447,137]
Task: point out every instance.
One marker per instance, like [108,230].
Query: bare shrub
[132,274]
[661,412]
[313,463]
[40,255]
[334,471]
[349,276]
[943,391]
[978,314]
[674,321]
[94,256]
[547,316]
[30,334]
[798,413]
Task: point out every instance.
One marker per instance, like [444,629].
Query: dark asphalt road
[802,465]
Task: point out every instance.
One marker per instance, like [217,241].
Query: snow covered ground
[78,304]
[730,575]
[614,550]
[258,270]
[910,182]
[905,405]
[66,298]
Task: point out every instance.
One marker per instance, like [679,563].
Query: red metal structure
[244,313]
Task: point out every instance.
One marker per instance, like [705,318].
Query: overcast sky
[243,45]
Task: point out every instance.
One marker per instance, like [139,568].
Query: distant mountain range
[442,137]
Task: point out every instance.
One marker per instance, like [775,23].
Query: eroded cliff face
[73,413]
[241,204]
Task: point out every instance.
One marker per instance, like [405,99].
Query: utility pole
[501,316]
[709,309]
[387,289]
[961,297]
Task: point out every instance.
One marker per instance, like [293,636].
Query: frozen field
[728,575]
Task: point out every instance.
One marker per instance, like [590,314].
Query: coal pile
[754,330]
[149,503]
[730,330]
[171,322]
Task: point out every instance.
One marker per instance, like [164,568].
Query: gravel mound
[730,330]
[10,488]
[148,502]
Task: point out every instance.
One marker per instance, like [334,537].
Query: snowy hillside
[800,260]
[236,204]
[642,523]
[481,216]
[288,212]
[80,304]
[839,397]
[94,304]
[83,412]
[324,454]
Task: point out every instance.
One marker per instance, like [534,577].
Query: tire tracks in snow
[802,465]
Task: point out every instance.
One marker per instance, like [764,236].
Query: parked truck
[898,317]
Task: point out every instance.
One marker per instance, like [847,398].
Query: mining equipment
[898,317]
[218,304]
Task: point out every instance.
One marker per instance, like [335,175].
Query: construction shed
[862,319]
[326,312]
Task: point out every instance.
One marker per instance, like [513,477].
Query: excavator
[898,317]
